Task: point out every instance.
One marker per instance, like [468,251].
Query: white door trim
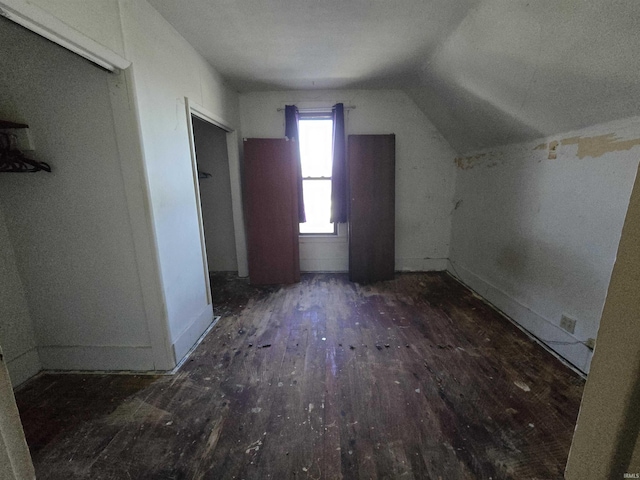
[234,178]
[15,460]
[44,24]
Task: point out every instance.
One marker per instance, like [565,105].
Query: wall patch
[597,146]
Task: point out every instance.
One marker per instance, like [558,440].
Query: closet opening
[214,196]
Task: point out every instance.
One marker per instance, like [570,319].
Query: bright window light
[315,156]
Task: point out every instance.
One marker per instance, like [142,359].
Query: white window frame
[320,237]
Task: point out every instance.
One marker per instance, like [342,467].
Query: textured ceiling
[486,72]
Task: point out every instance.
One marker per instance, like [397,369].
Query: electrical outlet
[568,323]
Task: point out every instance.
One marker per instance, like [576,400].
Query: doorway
[212,160]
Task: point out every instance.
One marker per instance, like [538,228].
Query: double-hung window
[315,131]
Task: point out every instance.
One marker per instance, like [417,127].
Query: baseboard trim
[23,367]
[96,357]
[421,264]
[546,332]
[194,346]
[192,333]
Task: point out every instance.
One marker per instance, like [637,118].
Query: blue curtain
[339,168]
[291,117]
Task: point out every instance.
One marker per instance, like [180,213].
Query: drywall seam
[124,133]
[136,182]
[158,315]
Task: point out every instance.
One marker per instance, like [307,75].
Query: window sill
[323,238]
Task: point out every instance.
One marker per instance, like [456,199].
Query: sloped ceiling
[518,70]
[486,72]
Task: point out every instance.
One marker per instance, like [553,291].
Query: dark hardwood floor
[325,379]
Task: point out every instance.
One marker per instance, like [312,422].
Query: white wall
[97,19]
[215,196]
[165,70]
[16,330]
[164,218]
[538,236]
[71,229]
[424,173]
[605,442]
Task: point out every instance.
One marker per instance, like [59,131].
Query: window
[315,132]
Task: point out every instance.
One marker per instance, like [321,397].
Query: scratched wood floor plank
[413,378]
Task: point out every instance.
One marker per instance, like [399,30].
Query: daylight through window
[315,133]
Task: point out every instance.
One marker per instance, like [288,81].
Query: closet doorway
[215,197]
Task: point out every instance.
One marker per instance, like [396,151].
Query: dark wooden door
[371,167]
[271,208]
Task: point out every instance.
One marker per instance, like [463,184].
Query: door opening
[214,183]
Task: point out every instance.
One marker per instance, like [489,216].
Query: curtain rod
[319,109]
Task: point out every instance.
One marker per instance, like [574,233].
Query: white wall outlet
[568,323]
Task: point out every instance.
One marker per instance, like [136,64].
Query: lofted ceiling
[486,72]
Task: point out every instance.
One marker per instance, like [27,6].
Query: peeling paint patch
[542,146]
[553,154]
[465,163]
[597,146]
